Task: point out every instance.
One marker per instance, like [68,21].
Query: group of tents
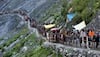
[70,16]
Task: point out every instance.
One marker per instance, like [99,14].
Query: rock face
[95,23]
[34,8]
[27,5]
[8,23]
[39,11]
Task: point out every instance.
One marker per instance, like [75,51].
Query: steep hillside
[95,22]
[16,39]
[30,7]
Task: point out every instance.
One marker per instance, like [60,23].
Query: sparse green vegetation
[14,38]
[39,51]
[85,9]
[17,47]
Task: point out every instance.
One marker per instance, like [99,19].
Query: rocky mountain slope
[24,43]
[9,23]
[34,8]
[94,24]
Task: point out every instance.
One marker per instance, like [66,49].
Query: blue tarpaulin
[70,16]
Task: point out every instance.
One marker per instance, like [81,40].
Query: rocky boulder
[95,23]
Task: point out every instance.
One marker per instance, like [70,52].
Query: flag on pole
[70,16]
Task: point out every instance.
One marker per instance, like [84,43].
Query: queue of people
[84,38]
[23,13]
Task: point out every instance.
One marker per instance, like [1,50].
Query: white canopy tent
[80,26]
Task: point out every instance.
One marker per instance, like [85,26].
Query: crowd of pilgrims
[84,38]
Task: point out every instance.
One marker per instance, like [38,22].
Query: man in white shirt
[82,36]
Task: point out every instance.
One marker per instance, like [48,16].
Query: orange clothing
[91,33]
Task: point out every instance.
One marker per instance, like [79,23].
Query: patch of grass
[20,44]
[14,38]
[38,52]
[8,54]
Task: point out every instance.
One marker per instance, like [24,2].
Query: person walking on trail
[62,35]
[47,36]
[26,18]
[97,39]
[33,23]
[82,37]
[77,35]
[87,41]
[91,34]
[72,38]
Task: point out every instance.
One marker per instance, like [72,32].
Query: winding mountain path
[27,20]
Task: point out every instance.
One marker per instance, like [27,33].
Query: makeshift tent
[70,16]
[80,26]
[54,29]
[49,26]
